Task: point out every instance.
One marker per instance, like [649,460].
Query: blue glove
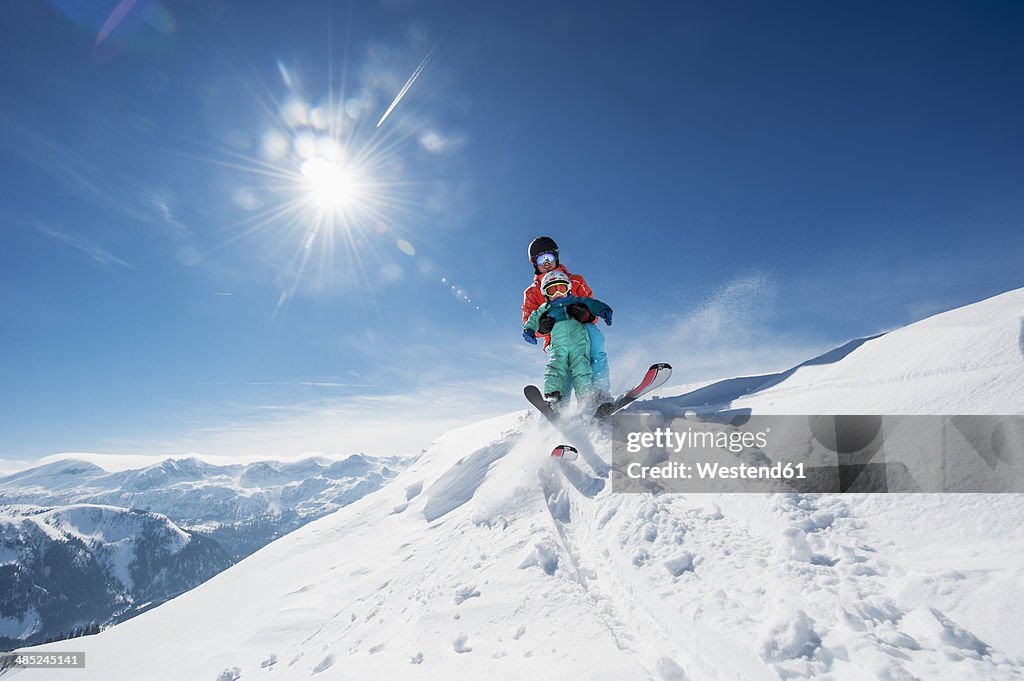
[606,315]
[529,336]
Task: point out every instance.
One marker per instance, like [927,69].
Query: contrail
[408,84]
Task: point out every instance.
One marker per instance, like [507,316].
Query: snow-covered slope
[487,560]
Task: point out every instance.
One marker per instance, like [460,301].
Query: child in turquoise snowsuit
[569,352]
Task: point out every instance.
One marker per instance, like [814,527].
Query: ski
[656,376]
[536,398]
[565,453]
[570,432]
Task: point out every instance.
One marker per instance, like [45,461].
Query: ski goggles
[557,287]
[545,259]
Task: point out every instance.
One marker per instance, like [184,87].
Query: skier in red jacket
[543,253]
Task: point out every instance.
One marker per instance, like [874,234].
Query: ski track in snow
[825,608]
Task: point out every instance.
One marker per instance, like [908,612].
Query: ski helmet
[555,277]
[542,244]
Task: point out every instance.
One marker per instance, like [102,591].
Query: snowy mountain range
[84,565]
[486,559]
[80,546]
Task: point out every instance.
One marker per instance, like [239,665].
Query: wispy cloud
[437,142]
[730,332]
[79,243]
[102,187]
[162,205]
[381,424]
[312,384]
[72,172]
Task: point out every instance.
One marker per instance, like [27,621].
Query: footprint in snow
[325,663]
[464,593]
[669,670]
[680,563]
[930,624]
[460,644]
[232,674]
[544,556]
[792,637]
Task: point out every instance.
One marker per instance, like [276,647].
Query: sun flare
[329,184]
[333,201]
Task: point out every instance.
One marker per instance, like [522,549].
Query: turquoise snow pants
[598,363]
[569,360]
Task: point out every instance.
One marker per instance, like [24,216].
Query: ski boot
[554,400]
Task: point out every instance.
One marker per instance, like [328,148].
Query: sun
[329,184]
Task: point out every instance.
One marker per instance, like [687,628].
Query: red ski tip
[566,452]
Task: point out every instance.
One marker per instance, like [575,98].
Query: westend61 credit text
[703,470]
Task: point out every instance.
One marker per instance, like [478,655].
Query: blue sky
[745,183]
